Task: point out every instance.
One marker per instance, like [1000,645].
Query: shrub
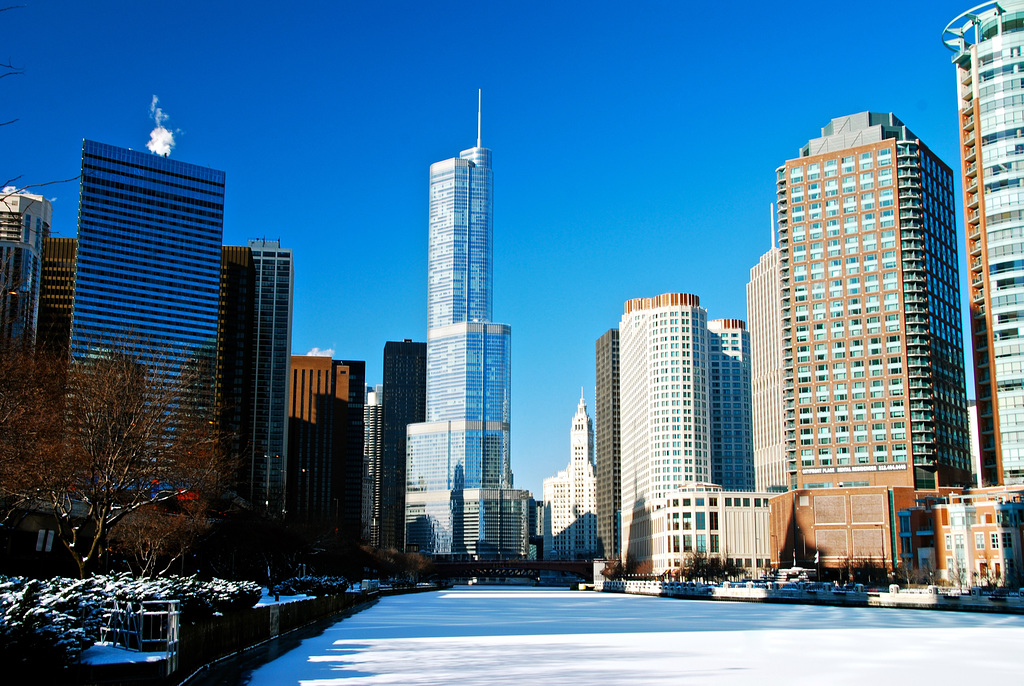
[312,585]
[48,623]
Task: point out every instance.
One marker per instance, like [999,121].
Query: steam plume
[161,140]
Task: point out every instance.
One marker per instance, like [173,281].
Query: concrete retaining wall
[932,598]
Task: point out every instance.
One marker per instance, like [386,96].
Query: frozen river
[503,635]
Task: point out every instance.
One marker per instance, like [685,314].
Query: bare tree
[154,537]
[119,431]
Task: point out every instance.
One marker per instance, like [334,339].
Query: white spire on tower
[479,100]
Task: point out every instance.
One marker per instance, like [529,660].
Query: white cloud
[317,352]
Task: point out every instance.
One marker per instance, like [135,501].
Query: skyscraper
[664,387]
[373,458]
[988,48]
[57,295]
[272,346]
[772,471]
[872,353]
[235,324]
[607,456]
[732,454]
[459,495]
[149,246]
[24,225]
[570,497]
[405,403]
[325,465]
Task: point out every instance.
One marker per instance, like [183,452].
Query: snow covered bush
[47,623]
[311,585]
[198,598]
[50,622]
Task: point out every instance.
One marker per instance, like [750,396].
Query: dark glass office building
[150,231]
[405,403]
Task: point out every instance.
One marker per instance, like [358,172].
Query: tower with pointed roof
[459,496]
[570,497]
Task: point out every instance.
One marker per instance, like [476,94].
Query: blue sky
[634,146]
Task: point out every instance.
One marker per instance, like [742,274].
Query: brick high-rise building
[871,341]
[325,468]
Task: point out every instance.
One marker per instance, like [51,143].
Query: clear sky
[634,145]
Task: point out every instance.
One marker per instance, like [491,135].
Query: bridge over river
[580,570]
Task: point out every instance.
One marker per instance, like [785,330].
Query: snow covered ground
[497,635]
[267,598]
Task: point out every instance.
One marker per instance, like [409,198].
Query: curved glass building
[988,46]
[459,497]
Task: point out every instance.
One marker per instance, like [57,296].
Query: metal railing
[151,626]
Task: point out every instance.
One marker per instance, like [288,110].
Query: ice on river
[497,635]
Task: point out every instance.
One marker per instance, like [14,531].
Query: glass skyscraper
[459,496]
[149,246]
[272,351]
[988,46]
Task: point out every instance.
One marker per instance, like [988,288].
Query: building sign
[902,467]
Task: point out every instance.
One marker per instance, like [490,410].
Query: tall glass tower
[272,352]
[150,231]
[459,496]
[988,46]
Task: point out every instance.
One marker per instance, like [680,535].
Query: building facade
[373,458]
[772,470]
[987,42]
[24,226]
[570,497]
[732,450]
[235,324]
[607,442]
[977,538]
[405,403]
[57,295]
[272,352]
[150,231]
[459,496]
[842,532]
[872,352]
[705,520]
[665,413]
[324,484]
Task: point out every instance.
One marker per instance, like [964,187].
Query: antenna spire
[479,100]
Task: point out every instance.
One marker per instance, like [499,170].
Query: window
[993,540]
